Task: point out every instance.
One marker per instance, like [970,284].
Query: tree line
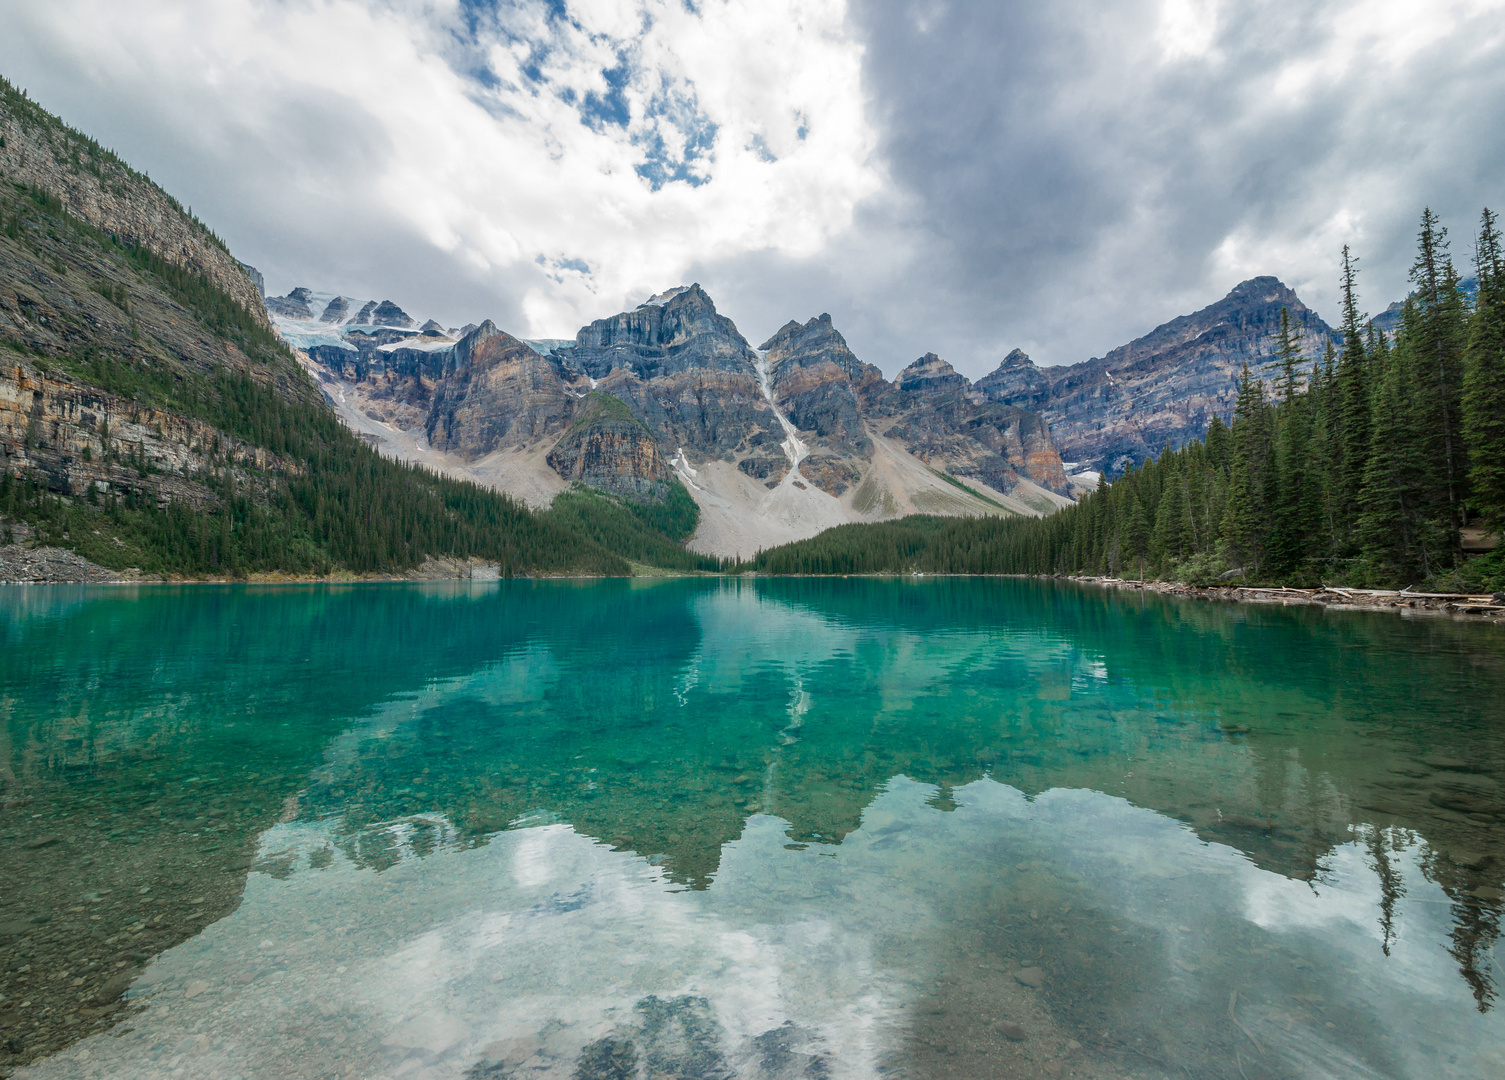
[1367,466]
[332,503]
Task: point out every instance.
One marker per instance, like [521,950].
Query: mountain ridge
[1162,388]
[771,443]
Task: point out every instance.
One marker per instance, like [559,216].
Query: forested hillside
[1379,464]
[151,418]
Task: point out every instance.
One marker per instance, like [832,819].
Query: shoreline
[60,566]
[1481,607]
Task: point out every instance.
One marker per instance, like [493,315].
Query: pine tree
[1293,509]
[1351,414]
[1484,381]
[1391,513]
[1436,337]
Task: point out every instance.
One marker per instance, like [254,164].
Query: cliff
[778,442]
[94,185]
[1163,388]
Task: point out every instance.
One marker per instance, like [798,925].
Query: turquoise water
[949,828]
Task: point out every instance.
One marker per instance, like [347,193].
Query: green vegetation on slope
[336,503]
[651,533]
[85,155]
[1363,470]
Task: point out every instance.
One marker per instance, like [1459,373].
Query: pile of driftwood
[1483,605]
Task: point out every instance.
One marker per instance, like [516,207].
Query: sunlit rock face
[1163,388]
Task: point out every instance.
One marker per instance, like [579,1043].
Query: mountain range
[105,326]
[774,443]
[778,441]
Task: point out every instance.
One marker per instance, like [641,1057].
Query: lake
[779,828]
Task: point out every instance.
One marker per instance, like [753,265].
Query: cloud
[1078,174]
[938,175]
[548,161]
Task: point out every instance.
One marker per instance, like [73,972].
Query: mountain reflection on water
[1152,835]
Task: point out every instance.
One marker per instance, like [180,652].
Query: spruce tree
[1136,537]
[1436,338]
[1324,453]
[1243,523]
[1484,381]
[1293,509]
[1351,414]
[1390,503]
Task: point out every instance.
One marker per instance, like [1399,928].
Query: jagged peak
[1264,289]
[483,344]
[817,328]
[930,370]
[1016,358]
[486,329]
[663,299]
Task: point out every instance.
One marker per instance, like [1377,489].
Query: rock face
[294,305]
[672,333]
[940,415]
[930,408]
[336,311]
[95,185]
[83,442]
[1165,387]
[685,369]
[673,390]
[494,392]
[609,448]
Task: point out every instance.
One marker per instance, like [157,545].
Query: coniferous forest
[1376,465]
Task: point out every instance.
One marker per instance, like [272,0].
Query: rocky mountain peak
[1265,289]
[930,373]
[795,337]
[337,310]
[1165,387]
[660,299]
[484,347]
[676,331]
[387,313]
[1016,358]
[293,306]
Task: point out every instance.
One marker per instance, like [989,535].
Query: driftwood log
[1482,605]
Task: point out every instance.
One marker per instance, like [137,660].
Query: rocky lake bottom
[958,828]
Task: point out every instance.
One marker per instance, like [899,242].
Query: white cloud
[956,177]
[1188,28]
[576,162]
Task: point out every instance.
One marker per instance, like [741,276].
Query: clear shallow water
[703,829]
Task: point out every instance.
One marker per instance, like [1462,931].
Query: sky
[962,178]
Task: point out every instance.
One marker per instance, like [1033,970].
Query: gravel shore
[21,564]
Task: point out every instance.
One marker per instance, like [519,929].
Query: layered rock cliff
[800,432]
[610,449]
[1163,388]
[494,393]
[38,151]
